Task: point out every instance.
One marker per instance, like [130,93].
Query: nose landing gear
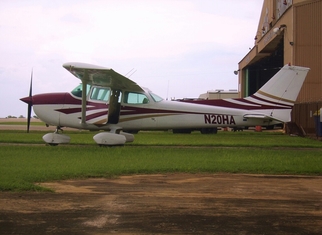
[56,138]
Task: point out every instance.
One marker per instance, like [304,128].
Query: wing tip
[80,65]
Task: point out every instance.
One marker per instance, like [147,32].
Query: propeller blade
[29,104]
[28,118]
[30,89]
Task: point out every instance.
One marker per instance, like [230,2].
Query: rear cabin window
[100,94]
[135,98]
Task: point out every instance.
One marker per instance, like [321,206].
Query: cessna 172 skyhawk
[108,101]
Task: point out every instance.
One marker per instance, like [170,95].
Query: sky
[176,48]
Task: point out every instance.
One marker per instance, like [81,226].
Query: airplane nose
[27,100]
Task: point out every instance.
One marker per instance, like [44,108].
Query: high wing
[97,75]
[101,76]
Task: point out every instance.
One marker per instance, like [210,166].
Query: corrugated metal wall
[303,115]
[308,52]
[308,48]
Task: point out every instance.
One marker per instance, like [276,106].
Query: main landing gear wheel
[113,139]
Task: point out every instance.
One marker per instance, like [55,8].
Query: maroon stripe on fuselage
[127,110]
[72,100]
[274,103]
[246,106]
[96,115]
[49,98]
[221,103]
[69,110]
[93,105]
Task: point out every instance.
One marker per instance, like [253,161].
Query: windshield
[155,97]
[77,91]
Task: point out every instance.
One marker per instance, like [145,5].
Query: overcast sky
[178,48]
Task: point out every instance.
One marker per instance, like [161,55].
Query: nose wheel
[56,138]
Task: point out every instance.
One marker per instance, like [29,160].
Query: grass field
[25,159]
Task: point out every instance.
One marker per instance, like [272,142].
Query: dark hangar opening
[261,71]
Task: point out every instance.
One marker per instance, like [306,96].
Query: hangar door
[258,73]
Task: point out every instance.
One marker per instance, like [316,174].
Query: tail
[279,94]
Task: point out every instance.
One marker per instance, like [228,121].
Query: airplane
[109,102]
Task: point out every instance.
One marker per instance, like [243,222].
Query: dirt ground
[168,204]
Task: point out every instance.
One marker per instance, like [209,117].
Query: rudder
[284,86]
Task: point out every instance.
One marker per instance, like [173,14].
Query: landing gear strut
[58,130]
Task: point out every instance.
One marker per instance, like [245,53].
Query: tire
[209,130]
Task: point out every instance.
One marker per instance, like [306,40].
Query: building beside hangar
[289,31]
[219,94]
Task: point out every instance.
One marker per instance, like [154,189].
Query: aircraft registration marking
[219,119]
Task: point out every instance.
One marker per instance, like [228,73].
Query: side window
[135,98]
[100,94]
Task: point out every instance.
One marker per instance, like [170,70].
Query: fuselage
[65,110]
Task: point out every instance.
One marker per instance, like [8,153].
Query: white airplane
[108,101]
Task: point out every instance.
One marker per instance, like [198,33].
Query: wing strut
[114,107]
[84,102]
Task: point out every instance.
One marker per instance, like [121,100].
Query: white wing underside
[101,76]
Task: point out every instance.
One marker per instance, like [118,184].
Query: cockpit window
[77,91]
[100,94]
[135,98]
[155,97]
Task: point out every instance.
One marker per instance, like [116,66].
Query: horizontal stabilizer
[257,116]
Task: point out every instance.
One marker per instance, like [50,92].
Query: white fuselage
[152,115]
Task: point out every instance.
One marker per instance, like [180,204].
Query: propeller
[29,104]
[28,100]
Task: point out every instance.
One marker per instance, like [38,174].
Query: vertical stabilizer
[284,86]
[278,95]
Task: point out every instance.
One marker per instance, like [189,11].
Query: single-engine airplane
[106,100]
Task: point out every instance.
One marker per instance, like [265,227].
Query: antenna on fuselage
[130,73]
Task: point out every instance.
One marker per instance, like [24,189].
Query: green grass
[153,152]
[226,139]
[160,138]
